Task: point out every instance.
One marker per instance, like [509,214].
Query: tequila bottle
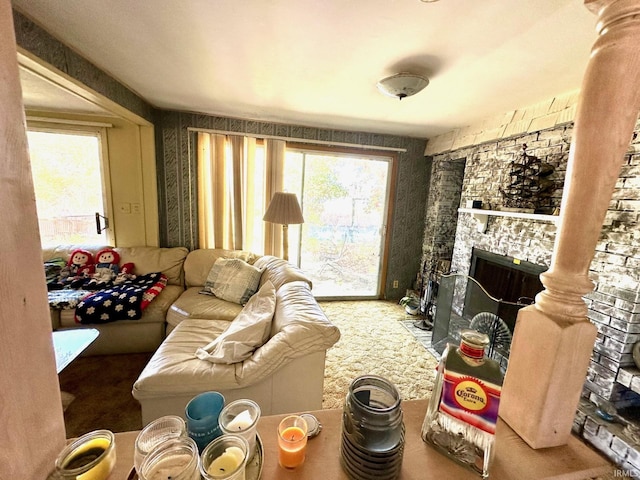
[463,409]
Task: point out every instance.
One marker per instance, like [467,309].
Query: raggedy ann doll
[106,270]
[80,267]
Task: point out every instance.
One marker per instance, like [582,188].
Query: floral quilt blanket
[125,301]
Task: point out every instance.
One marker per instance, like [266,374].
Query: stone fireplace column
[554,339]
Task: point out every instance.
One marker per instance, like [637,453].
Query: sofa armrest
[280,272]
[299,328]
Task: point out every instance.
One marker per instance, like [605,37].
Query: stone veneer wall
[487,169]
[614,306]
[442,205]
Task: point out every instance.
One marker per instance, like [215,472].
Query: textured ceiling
[316,63]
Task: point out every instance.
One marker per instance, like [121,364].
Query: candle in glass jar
[176,458]
[240,422]
[240,417]
[91,457]
[226,463]
[171,467]
[225,458]
[292,441]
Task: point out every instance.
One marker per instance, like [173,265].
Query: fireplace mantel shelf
[482,216]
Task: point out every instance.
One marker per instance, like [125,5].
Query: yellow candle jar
[90,457]
[225,458]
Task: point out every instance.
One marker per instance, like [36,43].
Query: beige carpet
[374,341]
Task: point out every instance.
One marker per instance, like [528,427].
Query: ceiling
[316,62]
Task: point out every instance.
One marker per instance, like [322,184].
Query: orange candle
[292,441]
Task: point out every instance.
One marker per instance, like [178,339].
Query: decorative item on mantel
[529,185]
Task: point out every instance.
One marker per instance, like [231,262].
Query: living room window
[67,169]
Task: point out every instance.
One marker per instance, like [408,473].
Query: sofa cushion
[198,263]
[194,305]
[233,280]
[246,333]
[156,259]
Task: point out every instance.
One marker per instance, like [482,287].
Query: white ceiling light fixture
[402,85]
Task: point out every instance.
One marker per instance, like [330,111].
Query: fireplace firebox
[506,278]
[487,299]
[514,283]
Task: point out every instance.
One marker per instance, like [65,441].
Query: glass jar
[240,417]
[156,432]
[372,430]
[225,458]
[92,456]
[177,458]
[372,416]
[463,410]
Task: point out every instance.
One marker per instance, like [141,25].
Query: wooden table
[514,459]
[68,344]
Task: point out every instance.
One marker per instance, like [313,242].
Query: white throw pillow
[248,331]
[233,280]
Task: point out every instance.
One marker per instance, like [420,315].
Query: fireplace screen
[463,303]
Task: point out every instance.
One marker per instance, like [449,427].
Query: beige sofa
[286,374]
[130,336]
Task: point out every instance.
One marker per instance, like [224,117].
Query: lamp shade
[402,85]
[284,208]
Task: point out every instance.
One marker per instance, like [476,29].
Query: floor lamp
[284,209]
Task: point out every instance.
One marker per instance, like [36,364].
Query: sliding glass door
[344,198]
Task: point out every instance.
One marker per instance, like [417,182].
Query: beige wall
[130,176]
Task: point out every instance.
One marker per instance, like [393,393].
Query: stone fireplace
[614,305]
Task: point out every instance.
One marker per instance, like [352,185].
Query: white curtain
[236,179]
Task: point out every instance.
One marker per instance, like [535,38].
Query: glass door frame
[391,158]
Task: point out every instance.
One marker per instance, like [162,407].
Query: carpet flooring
[375,341]
[101,390]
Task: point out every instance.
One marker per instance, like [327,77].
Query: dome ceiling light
[402,85]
